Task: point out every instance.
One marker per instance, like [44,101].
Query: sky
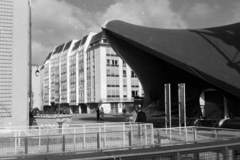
[55,22]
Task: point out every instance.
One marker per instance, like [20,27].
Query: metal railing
[212,152]
[193,134]
[97,137]
[68,129]
[125,137]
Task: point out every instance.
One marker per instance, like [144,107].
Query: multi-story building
[91,75]
[14,60]
[111,83]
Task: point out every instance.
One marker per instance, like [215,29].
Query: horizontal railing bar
[60,134]
[202,148]
[82,150]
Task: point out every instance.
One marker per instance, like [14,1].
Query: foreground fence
[108,137]
[87,139]
[223,151]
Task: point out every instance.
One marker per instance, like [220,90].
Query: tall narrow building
[14,60]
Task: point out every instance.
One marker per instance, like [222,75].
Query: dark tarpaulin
[200,58]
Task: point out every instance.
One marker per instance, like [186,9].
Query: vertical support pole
[74,138]
[196,155]
[145,134]
[26,145]
[186,134]
[63,143]
[167,88]
[182,107]
[16,141]
[100,137]
[104,136]
[194,134]
[166,107]
[152,134]
[123,134]
[39,139]
[19,139]
[62,128]
[216,133]
[177,156]
[84,134]
[225,154]
[140,132]
[130,139]
[98,141]
[159,137]
[47,144]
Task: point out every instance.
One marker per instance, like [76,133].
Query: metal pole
[30,61]
[39,141]
[123,130]
[84,143]
[74,138]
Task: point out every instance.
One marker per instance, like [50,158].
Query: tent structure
[204,59]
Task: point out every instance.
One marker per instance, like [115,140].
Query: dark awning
[206,57]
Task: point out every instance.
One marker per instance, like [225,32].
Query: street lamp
[37,72]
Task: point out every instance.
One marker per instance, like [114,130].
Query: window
[124,73]
[108,72]
[134,93]
[116,62]
[124,92]
[108,51]
[108,62]
[133,74]
[124,64]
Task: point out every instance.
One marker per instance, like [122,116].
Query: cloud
[40,52]
[236,11]
[207,14]
[55,22]
[201,10]
[152,13]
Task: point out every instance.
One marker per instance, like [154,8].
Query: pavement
[92,118]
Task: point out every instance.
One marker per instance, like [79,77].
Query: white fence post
[159,136]
[74,138]
[152,134]
[216,134]
[104,138]
[39,138]
[186,134]
[16,140]
[123,132]
[99,138]
[19,133]
[145,133]
[84,143]
[195,134]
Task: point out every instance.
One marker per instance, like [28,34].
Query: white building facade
[91,75]
[111,84]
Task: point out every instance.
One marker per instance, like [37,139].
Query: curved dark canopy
[201,58]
